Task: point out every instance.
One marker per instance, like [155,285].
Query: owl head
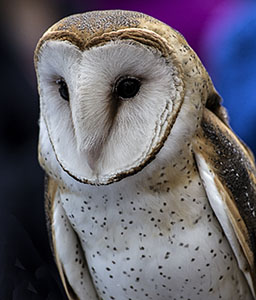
[115,87]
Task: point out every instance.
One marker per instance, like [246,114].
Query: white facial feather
[182,133]
[96,136]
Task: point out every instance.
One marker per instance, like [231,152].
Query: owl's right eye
[63,89]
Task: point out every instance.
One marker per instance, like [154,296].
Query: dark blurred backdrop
[222,32]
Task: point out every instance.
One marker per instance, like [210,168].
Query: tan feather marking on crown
[144,36]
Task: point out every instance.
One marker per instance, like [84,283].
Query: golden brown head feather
[98,27]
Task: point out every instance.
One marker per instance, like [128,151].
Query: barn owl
[149,193]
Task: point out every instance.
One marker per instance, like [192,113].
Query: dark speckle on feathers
[234,168]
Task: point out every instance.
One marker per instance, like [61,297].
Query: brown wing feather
[235,177]
[50,191]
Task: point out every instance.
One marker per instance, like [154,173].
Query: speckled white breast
[157,239]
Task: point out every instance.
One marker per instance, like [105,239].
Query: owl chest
[154,245]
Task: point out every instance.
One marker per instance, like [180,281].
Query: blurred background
[222,32]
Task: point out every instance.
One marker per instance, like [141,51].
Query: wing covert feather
[225,162]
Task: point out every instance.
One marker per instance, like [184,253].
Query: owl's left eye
[127,87]
[63,89]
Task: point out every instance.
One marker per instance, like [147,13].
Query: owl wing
[226,167]
[66,247]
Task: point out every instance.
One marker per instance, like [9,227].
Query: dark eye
[63,89]
[127,87]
